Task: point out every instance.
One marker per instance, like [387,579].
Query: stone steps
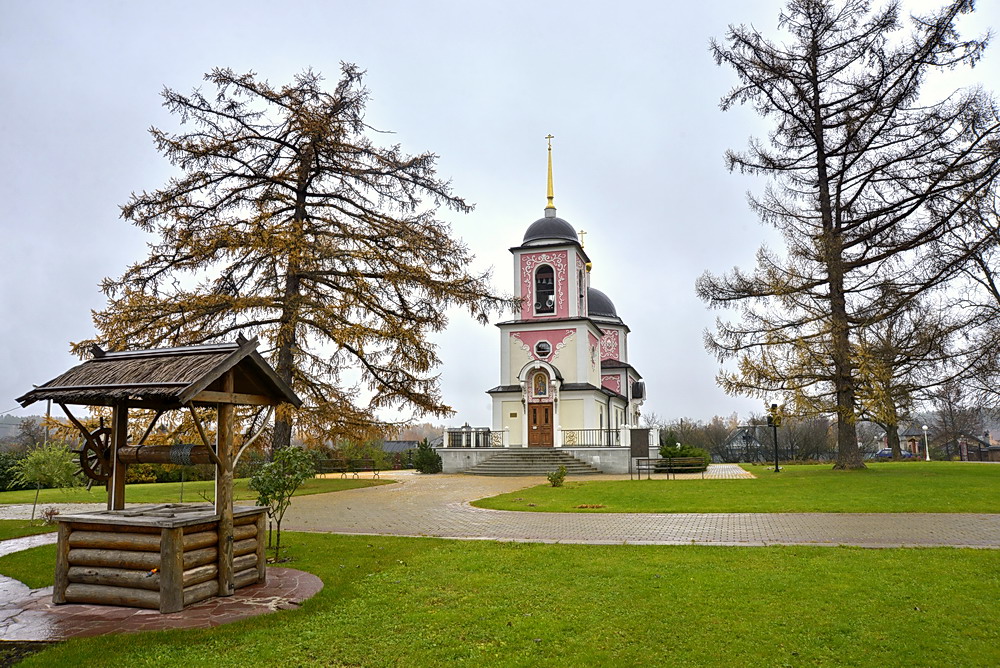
[531,461]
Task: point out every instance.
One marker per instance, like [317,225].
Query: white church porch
[609,450]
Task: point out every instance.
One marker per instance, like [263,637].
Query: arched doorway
[540,417]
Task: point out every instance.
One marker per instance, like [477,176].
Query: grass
[34,567]
[18,528]
[419,602]
[910,487]
[169,492]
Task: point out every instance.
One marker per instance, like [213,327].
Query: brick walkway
[438,505]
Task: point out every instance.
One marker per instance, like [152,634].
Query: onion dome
[600,306]
[550,229]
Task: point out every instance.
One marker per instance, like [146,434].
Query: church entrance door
[539,425]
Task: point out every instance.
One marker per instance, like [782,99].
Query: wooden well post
[224,490]
[119,438]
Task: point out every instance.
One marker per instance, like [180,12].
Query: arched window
[581,290]
[545,286]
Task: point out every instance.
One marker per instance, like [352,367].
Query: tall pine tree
[288,222]
[867,179]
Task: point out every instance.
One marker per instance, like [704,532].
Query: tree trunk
[290,314]
[848,453]
[892,436]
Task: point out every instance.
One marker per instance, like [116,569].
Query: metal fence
[591,438]
[477,437]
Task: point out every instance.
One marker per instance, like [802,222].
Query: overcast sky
[627,88]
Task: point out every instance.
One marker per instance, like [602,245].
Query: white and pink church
[565,376]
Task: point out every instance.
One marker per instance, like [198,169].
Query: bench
[345,466]
[356,466]
[669,465]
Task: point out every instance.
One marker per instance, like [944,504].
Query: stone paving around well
[32,616]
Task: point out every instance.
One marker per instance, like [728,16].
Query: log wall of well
[149,560]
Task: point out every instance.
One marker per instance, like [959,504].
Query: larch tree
[902,360]
[866,179]
[977,298]
[289,223]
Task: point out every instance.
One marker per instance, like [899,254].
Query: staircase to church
[531,461]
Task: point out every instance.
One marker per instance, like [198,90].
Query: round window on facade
[543,349]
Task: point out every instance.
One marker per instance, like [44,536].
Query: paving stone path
[438,505]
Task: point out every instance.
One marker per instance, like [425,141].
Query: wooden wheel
[95,455]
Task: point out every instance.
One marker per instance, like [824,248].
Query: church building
[565,376]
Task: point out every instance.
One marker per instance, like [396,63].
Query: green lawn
[18,528]
[910,487]
[169,492]
[424,602]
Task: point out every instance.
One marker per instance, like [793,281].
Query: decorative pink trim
[557,337]
[610,345]
[612,383]
[529,262]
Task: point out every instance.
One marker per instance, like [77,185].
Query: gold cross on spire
[549,194]
[582,233]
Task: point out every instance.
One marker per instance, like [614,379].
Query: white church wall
[514,425]
[564,359]
[518,358]
[571,414]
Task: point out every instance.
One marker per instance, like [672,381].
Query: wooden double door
[539,425]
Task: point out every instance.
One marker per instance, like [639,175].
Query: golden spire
[549,194]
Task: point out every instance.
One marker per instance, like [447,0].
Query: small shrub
[276,482]
[8,471]
[426,460]
[49,465]
[49,515]
[557,477]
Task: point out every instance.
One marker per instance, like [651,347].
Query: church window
[543,349]
[581,290]
[545,299]
[540,385]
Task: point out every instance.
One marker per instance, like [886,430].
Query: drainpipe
[609,414]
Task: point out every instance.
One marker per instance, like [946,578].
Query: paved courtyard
[438,505]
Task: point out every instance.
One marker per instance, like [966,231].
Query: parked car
[886,453]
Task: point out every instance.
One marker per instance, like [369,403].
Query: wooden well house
[163,556]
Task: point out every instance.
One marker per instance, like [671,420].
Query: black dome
[550,228]
[599,305]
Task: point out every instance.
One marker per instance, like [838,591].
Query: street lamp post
[774,419]
[927,451]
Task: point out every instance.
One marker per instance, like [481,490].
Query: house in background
[400,452]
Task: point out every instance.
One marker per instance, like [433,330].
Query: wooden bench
[334,465]
[358,465]
[347,466]
[669,465]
